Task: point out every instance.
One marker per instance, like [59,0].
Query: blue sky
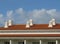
[22,10]
[29,4]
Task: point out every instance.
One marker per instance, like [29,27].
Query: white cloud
[52,12]
[20,16]
[1,15]
[37,12]
[9,14]
[20,11]
[39,15]
[1,19]
[44,15]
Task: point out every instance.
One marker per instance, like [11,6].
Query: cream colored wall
[29,41]
[46,41]
[2,41]
[13,41]
[16,41]
[58,41]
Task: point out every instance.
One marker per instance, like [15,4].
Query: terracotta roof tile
[34,27]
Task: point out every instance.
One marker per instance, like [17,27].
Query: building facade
[36,34]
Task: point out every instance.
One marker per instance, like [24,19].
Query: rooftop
[34,27]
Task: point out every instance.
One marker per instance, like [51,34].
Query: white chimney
[6,25]
[9,22]
[50,24]
[31,22]
[53,22]
[27,24]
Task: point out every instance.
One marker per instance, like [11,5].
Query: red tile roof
[29,35]
[34,27]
